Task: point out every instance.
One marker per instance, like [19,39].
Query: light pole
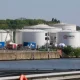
[47,41]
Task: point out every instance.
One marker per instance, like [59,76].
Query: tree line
[21,22]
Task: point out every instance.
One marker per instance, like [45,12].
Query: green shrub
[67,50]
[77,52]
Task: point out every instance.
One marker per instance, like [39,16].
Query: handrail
[43,75]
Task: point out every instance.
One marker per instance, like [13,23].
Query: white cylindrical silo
[4,36]
[71,38]
[65,26]
[18,37]
[29,35]
[51,30]
[52,33]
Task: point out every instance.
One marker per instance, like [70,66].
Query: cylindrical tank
[71,38]
[18,37]
[65,26]
[29,35]
[51,30]
[4,36]
[52,33]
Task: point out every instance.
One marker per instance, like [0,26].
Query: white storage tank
[29,35]
[71,38]
[18,37]
[51,30]
[5,36]
[65,26]
[39,26]
[52,33]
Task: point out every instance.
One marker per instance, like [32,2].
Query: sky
[66,11]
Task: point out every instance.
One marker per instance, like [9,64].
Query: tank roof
[1,30]
[43,26]
[31,30]
[63,24]
[68,31]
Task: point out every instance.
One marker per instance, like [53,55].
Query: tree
[20,23]
[78,27]
[55,20]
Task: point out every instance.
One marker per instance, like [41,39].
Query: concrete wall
[19,55]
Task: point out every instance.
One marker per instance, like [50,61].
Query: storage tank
[51,30]
[18,37]
[39,26]
[65,26]
[71,38]
[52,33]
[4,37]
[29,35]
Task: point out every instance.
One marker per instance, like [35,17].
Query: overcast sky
[67,11]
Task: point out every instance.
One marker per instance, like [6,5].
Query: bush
[67,50]
[77,52]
